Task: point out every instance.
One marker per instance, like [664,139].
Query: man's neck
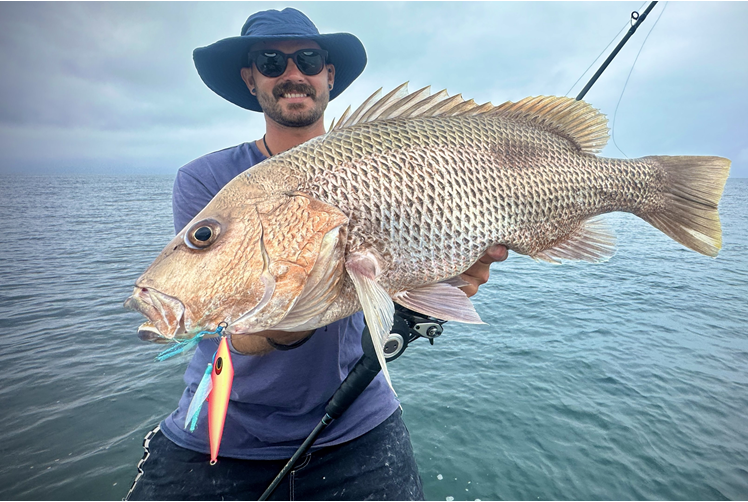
[281,138]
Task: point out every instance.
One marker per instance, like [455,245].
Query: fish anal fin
[577,121]
[593,241]
[441,300]
[363,269]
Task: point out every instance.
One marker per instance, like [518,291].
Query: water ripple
[624,380]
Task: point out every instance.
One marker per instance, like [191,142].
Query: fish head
[249,262]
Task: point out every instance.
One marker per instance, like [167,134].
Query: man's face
[291,99]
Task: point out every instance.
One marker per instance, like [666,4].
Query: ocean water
[622,380]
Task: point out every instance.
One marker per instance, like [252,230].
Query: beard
[295,115]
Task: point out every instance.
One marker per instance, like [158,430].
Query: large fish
[402,196]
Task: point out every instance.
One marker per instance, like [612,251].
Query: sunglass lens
[271,64]
[309,62]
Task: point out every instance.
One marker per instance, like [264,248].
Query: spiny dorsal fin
[402,107]
[576,121]
[372,109]
[400,104]
[376,109]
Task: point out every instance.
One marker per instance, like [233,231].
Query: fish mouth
[165,313]
[149,333]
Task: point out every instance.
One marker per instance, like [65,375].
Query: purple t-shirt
[278,398]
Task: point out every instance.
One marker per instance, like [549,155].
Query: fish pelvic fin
[584,126]
[694,186]
[441,300]
[593,241]
[379,311]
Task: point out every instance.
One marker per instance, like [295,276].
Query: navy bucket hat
[220,64]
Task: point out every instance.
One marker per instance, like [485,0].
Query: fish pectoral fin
[593,241]
[379,311]
[443,300]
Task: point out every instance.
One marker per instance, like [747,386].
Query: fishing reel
[408,326]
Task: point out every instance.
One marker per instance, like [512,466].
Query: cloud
[112,87]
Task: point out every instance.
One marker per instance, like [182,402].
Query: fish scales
[402,196]
[431,202]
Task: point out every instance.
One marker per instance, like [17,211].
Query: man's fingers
[472,288]
[494,254]
[480,271]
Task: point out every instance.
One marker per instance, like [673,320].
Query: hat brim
[220,64]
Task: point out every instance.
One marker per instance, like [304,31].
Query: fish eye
[202,234]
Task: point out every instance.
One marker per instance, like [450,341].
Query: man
[282,66]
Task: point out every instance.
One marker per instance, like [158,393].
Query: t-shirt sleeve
[188,198]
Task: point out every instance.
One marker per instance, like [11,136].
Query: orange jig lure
[218,400]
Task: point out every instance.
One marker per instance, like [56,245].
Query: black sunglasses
[272,63]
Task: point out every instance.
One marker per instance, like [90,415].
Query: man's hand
[478,273]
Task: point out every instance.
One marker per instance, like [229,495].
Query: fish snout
[165,313]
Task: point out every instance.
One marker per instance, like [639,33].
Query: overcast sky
[111,87]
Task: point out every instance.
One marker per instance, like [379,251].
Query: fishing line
[181,346]
[601,53]
[615,113]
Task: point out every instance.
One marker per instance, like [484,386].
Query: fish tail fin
[693,189]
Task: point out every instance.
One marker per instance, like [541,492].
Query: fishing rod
[354,384]
[639,18]
[408,326]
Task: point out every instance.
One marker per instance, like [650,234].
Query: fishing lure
[201,394]
[185,345]
[222,376]
[214,387]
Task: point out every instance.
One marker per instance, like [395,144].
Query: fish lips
[148,333]
[165,312]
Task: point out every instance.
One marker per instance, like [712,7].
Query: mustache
[294,88]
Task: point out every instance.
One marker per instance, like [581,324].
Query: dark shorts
[376,466]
